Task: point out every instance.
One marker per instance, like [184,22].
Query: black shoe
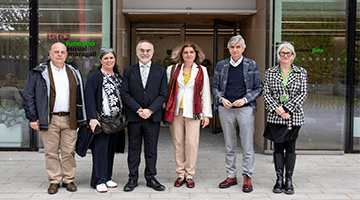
[153,183]
[130,185]
[290,164]
[279,186]
[289,188]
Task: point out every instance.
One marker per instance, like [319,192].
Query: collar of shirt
[55,68]
[61,83]
[235,64]
[147,65]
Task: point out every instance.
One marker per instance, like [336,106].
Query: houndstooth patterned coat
[296,89]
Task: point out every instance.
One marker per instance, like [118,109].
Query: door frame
[133,36]
[216,127]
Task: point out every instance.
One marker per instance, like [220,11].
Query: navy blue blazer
[152,96]
[93,102]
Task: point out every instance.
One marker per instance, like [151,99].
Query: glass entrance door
[356,130]
[317,30]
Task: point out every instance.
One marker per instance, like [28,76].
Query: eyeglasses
[143,50]
[288,54]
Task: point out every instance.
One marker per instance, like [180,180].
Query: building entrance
[212,37]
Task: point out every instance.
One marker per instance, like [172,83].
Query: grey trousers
[244,117]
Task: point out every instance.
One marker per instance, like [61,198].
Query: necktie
[144,75]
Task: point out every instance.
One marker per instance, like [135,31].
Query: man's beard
[145,59]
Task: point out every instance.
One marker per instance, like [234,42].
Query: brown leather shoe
[190,183]
[247,186]
[53,188]
[179,182]
[228,182]
[71,187]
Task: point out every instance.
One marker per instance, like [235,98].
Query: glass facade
[317,31]
[317,28]
[356,134]
[14,58]
[78,24]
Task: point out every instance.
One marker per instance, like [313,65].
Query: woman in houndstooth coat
[285,90]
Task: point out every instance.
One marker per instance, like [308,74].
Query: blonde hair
[177,52]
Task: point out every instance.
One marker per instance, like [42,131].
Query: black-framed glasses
[288,54]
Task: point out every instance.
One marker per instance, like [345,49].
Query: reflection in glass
[356,145]
[14,55]
[318,33]
[77,24]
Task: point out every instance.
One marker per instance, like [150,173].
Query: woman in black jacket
[102,95]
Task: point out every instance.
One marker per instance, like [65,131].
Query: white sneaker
[111,184]
[101,188]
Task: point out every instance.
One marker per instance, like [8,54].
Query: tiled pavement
[23,176]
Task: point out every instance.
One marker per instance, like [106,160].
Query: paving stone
[23,175]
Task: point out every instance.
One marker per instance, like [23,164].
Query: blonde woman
[188,107]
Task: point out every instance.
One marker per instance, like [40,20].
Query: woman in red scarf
[188,107]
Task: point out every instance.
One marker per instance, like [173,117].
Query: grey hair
[285,45]
[141,41]
[235,39]
[105,51]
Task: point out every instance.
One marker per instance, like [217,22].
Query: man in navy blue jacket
[54,104]
[144,90]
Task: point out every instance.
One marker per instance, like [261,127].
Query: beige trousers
[185,133]
[59,133]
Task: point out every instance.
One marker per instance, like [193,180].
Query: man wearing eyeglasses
[236,85]
[144,90]
[54,104]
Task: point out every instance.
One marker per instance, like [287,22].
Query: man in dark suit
[144,90]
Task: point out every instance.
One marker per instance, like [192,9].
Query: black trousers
[103,150]
[149,131]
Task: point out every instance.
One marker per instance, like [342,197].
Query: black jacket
[37,91]
[93,100]
[152,96]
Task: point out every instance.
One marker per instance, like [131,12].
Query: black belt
[61,113]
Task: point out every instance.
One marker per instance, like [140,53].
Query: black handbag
[113,124]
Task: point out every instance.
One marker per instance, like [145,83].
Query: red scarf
[197,103]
